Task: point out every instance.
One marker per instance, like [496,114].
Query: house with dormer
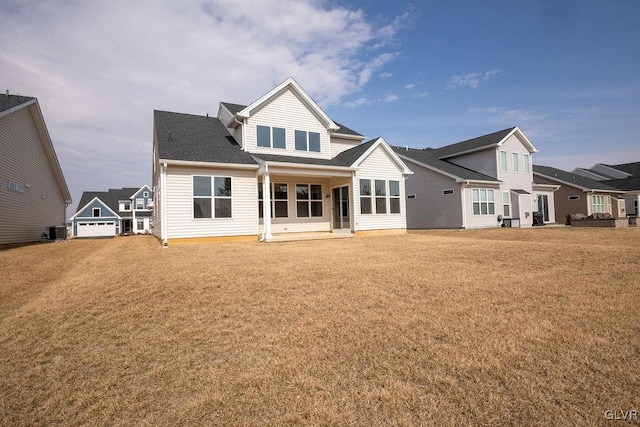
[272,169]
[113,212]
[477,183]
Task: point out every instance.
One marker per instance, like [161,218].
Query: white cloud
[385,75]
[410,86]
[509,115]
[391,98]
[99,69]
[471,80]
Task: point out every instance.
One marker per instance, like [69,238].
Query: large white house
[481,182]
[277,166]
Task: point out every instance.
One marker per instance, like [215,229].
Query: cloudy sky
[421,74]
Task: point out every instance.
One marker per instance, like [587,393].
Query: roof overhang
[289,84]
[88,204]
[219,165]
[545,187]
[575,185]
[347,136]
[522,137]
[303,169]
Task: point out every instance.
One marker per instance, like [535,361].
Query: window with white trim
[16,187]
[95,212]
[145,194]
[307,141]
[483,202]
[394,196]
[381,196]
[125,206]
[140,224]
[280,207]
[600,204]
[516,163]
[503,161]
[308,200]
[526,163]
[139,203]
[272,137]
[506,203]
[365,196]
[211,196]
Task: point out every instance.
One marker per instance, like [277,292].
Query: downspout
[163,208]
[464,203]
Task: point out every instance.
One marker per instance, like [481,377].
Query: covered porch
[304,201]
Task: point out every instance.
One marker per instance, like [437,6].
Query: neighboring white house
[33,192]
[481,182]
[109,213]
[279,165]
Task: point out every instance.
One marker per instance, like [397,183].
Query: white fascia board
[291,83]
[551,187]
[207,164]
[87,205]
[380,142]
[479,182]
[139,190]
[17,107]
[345,136]
[522,137]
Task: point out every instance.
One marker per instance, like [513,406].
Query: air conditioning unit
[58,232]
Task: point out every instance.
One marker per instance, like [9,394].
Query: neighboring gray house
[109,213]
[33,192]
[481,182]
[625,177]
[581,194]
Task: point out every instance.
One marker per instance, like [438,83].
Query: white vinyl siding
[286,111]
[379,166]
[338,145]
[478,221]
[179,211]
[522,205]
[23,160]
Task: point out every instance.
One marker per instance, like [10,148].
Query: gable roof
[428,158]
[572,179]
[193,138]
[483,142]
[289,84]
[625,184]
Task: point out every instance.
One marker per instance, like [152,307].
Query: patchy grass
[492,327]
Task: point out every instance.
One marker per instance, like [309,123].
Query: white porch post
[266,205]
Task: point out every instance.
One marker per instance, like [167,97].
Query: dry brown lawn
[486,327]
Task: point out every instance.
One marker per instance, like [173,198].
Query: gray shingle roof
[472,144]
[197,139]
[7,102]
[429,157]
[571,178]
[632,168]
[625,184]
[109,198]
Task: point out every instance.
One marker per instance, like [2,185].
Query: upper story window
[139,203]
[145,194]
[307,141]
[516,163]
[503,161]
[208,203]
[16,187]
[525,163]
[270,137]
[125,206]
[95,212]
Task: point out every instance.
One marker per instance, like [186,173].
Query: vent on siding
[411,196]
[447,192]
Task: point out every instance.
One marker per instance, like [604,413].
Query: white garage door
[96,229]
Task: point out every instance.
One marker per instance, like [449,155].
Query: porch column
[266,205]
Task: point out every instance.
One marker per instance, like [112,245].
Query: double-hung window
[516,163]
[279,201]
[503,161]
[394,196]
[526,164]
[381,196]
[139,203]
[272,137]
[483,202]
[506,203]
[95,212]
[307,141]
[211,197]
[365,196]
[598,204]
[308,200]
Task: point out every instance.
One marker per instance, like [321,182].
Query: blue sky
[421,74]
